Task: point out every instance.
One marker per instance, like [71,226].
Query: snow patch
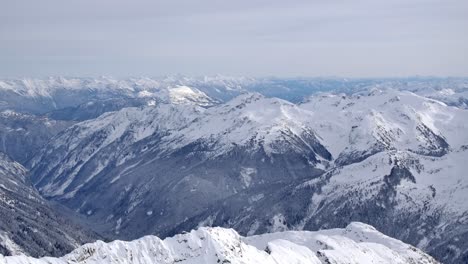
[246,175]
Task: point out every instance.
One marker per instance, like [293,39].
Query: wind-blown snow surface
[389,158]
[357,243]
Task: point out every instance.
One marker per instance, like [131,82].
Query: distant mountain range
[41,96]
[162,156]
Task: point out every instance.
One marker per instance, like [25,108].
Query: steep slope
[420,200]
[256,123]
[185,95]
[27,223]
[392,159]
[358,243]
[189,155]
[22,135]
[399,165]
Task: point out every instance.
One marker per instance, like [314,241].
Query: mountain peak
[183,94]
[358,243]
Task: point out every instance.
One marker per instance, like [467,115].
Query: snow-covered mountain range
[397,160]
[257,155]
[357,243]
[86,98]
[264,164]
[182,153]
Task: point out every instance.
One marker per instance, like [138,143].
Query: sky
[121,38]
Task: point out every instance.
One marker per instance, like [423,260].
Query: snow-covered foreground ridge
[357,243]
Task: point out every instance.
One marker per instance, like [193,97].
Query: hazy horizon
[225,76]
[358,39]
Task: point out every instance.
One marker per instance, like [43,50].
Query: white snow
[357,243]
[248,120]
[126,126]
[9,244]
[390,117]
[186,95]
[278,223]
[117,225]
[146,93]
[256,198]
[247,174]
[344,124]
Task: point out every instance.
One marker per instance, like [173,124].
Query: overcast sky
[369,38]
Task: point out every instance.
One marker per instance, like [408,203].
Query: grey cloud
[313,38]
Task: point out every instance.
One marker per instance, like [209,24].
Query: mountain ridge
[241,164]
[357,243]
